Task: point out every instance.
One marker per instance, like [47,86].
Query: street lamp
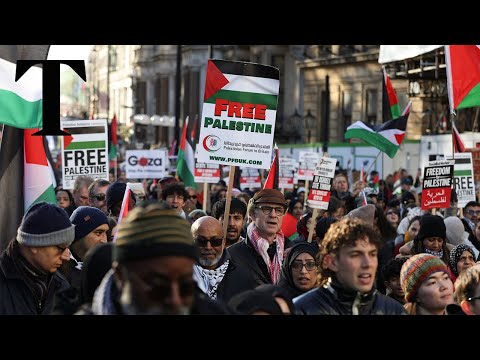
[310,121]
[292,125]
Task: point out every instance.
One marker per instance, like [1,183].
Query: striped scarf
[261,246]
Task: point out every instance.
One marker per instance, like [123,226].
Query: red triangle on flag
[34,150]
[399,138]
[215,80]
[67,139]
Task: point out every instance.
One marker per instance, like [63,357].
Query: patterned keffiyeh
[438,254]
[261,245]
[208,280]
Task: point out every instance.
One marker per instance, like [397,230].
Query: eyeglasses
[267,210]
[309,265]
[391,212]
[99,197]
[192,197]
[202,242]
[171,197]
[473,298]
[472,212]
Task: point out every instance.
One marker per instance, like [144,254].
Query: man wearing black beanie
[28,267]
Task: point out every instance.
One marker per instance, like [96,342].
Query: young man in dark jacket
[348,264]
[28,267]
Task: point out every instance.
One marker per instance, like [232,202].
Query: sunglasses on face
[472,212]
[192,197]
[99,197]
[309,265]
[202,242]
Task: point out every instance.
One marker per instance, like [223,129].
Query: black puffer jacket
[333,299]
[17,298]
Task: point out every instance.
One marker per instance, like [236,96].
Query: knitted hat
[153,231]
[365,213]
[269,196]
[45,225]
[455,230]
[431,226]
[86,219]
[416,270]
[455,255]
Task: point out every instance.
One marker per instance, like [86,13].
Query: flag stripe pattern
[186,160]
[463,75]
[391,97]
[272,178]
[386,137]
[457,142]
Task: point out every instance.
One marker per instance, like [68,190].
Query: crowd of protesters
[373,251]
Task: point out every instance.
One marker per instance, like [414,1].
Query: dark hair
[472,203]
[236,207]
[292,204]
[322,226]
[387,230]
[70,196]
[174,188]
[277,291]
[344,233]
[334,204]
[392,268]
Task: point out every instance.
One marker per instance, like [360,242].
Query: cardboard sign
[239,112]
[249,178]
[463,180]
[437,183]
[145,164]
[308,161]
[286,178]
[207,173]
[85,151]
[319,195]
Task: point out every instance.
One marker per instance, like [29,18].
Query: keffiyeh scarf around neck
[434,253]
[208,280]
[261,246]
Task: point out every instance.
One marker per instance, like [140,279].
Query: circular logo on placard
[212,143]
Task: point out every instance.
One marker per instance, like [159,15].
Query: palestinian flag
[272,178]
[186,159]
[112,138]
[457,142]
[38,182]
[88,137]
[21,101]
[391,109]
[386,137]
[12,145]
[463,75]
[127,198]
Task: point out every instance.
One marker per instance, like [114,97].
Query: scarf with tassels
[261,246]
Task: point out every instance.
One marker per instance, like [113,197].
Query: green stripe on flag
[374,139]
[47,196]
[18,112]
[462,173]
[86,145]
[245,97]
[395,110]
[472,99]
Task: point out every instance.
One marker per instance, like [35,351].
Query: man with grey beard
[216,274]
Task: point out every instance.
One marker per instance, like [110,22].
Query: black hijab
[286,278]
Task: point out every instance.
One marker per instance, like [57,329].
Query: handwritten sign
[437,184]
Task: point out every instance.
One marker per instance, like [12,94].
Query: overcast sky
[69,52]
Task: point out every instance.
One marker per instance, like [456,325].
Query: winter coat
[333,299]
[16,297]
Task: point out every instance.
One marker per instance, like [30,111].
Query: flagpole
[373,163]
[228,200]
[1,140]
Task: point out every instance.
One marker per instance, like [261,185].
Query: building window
[140,97]
[346,109]
[112,53]
[371,108]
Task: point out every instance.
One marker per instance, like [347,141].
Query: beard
[207,262]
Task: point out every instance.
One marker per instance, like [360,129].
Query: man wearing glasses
[262,250]
[216,273]
[467,290]
[29,278]
[174,194]
[97,194]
